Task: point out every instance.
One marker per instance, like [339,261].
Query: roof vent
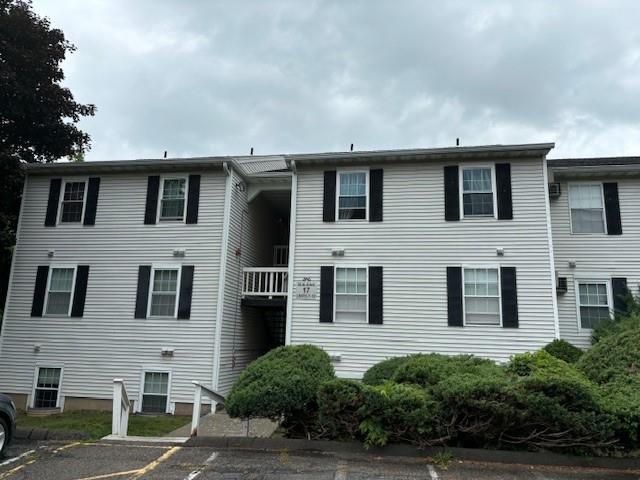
[554,190]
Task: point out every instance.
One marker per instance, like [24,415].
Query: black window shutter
[454,296]
[451,193]
[80,291]
[612,208]
[509,297]
[503,190]
[620,293]
[142,297]
[39,291]
[193,199]
[375,295]
[186,290]
[92,201]
[326,294]
[375,195]
[151,210]
[329,199]
[52,206]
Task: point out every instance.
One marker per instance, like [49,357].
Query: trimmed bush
[383,371]
[338,404]
[396,412]
[429,370]
[564,351]
[622,400]
[614,356]
[281,385]
[526,364]
[625,321]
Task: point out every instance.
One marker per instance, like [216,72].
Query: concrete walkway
[221,425]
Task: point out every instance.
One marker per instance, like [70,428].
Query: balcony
[265,282]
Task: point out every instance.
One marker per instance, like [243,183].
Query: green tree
[38,116]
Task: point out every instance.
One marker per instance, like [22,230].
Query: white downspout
[221,279]
[552,261]
[292,251]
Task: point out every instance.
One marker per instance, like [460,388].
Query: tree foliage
[38,116]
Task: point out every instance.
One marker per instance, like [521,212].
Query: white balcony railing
[280,255]
[265,282]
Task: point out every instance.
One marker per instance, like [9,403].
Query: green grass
[98,424]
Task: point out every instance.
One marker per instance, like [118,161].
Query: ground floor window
[155,392]
[351,294]
[481,296]
[593,303]
[47,387]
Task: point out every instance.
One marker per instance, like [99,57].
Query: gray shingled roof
[592,162]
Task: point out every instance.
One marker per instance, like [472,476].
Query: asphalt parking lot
[98,461]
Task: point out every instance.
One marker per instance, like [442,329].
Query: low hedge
[616,355]
[383,371]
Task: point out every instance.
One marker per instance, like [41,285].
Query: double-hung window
[352,196]
[587,208]
[60,289]
[481,296]
[164,292]
[72,204]
[593,303]
[47,387]
[155,392]
[172,200]
[477,192]
[351,294]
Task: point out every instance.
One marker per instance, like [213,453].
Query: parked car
[7,422]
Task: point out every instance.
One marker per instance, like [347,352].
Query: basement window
[155,393]
[47,388]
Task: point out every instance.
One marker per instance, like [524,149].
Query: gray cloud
[207,78]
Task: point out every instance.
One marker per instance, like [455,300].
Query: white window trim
[471,166]
[576,293]
[73,289]
[61,199]
[335,290]
[159,221]
[152,369]
[366,192]
[168,266]
[464,303]
[604,216]
[36,371]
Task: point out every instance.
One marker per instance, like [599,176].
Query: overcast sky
[216,78]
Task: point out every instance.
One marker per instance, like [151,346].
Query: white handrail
[265,282]
[121,408]
[197,403]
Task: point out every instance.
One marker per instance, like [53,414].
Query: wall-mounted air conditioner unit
[561,285]
[554,190]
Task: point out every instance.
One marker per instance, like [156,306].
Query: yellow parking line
[109,475]
[8,473]
[70,445]
[155,463]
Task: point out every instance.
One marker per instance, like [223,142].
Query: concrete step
[221,425]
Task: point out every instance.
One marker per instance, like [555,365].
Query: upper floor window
[72,204]
[352,196]
[587,208]
[60,291]
[477,191]
[481,296]
[593,303]
[351,294]
[164,293]
[172,200]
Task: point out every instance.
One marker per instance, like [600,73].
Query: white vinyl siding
[352,191]
[481,296]
[163,301]
[108,330]
[596,256]
[173,199]
[60,287]
[415,244]
[72,201]
[477,191]
[587,208]
[351,294]
[593,302]
[47,387]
